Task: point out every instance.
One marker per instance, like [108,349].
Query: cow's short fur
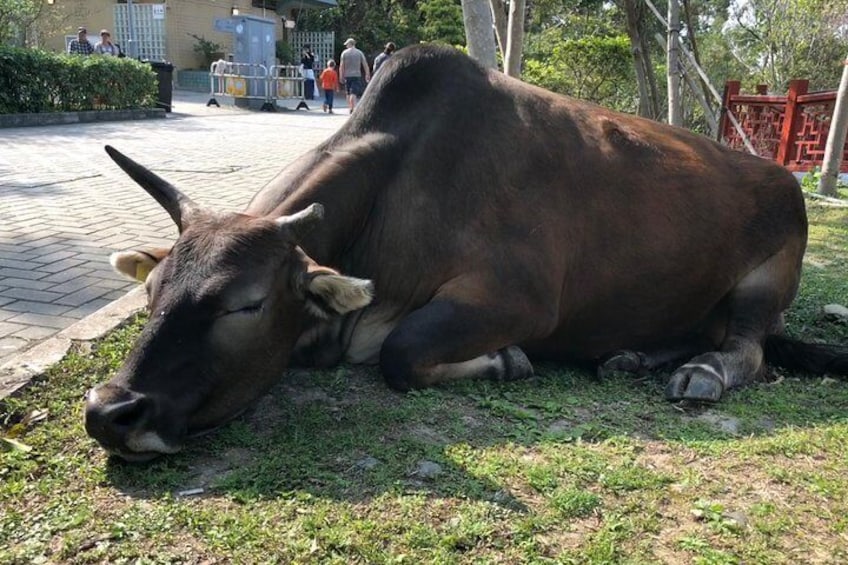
[459,224]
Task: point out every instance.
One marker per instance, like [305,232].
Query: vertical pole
[675,111]
[731,89]
[835,148]
[132,47]
[791,121]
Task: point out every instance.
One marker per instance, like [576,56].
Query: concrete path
[65,206]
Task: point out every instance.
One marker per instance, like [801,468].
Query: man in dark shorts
[353,72]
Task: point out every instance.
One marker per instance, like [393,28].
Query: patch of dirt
[207,471]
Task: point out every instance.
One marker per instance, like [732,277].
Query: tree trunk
[675,112]
[477,17]
[688,16]
[500,24]
[645,107]
[515,39]
[835,138]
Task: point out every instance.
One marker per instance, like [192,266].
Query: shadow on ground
[342,434]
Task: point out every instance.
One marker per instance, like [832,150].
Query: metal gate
[148,23]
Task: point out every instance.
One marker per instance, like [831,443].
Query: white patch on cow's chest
[364,335]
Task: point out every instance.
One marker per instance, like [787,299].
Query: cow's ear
[137,264]
[329,293]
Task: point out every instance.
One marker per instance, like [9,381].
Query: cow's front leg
[445,341]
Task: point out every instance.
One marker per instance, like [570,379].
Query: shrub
[283,51]
[33,81]
[209,51]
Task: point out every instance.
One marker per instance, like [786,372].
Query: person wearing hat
[106,47]
[384,56]
[81,45]
[353,67]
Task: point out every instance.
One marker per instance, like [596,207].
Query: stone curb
[16,373]
[59,118]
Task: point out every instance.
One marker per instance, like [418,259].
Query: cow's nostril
[129,415]
[111,415]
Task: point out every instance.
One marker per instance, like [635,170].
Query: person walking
[353,67]
[384,56]
[81,45]
[329,82]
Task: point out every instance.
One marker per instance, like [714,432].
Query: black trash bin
[165,76]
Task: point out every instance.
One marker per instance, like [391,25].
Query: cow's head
[226,306]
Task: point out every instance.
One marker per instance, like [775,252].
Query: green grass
[330,467]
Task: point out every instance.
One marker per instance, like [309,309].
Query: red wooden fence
[791,129]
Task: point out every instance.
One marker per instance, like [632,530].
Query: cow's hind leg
[755,306]
[446,341]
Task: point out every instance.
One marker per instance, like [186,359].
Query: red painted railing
[791,129]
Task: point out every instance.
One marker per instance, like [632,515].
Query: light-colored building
[165,31]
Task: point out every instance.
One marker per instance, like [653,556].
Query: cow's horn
[303,221]
[177,204]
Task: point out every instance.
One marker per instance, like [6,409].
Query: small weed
[574,503]
[715,516]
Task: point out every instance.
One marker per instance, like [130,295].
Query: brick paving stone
[75,284]
[122,284]
[115,294]
[7,328]
[35,332]
[89,307]
[23,306]
[21,274]
[82,296]
[11,344]
[63,276]
[58,322]
[55,256]
[39,252]
[26,283]
[14,264]
[59,266]
[28,294]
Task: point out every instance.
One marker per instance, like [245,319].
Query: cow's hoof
[516,364]
[697,382]
[631,362]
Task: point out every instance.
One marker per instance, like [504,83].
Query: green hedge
[33,81]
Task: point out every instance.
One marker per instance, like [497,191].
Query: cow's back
[595,213]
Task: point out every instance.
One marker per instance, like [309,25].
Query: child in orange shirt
[329,82]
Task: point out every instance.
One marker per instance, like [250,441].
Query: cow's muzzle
[122,422]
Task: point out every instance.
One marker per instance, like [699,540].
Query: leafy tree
[598,69]
[579,47]
[442,21]
[15,17]
[371,23]
[779,40]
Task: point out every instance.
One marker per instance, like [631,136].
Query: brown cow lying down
[458,225]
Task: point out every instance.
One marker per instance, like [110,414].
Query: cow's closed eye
[251,309]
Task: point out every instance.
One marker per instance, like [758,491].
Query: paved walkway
[65,206]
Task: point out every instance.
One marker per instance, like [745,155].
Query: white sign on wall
[158,11]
